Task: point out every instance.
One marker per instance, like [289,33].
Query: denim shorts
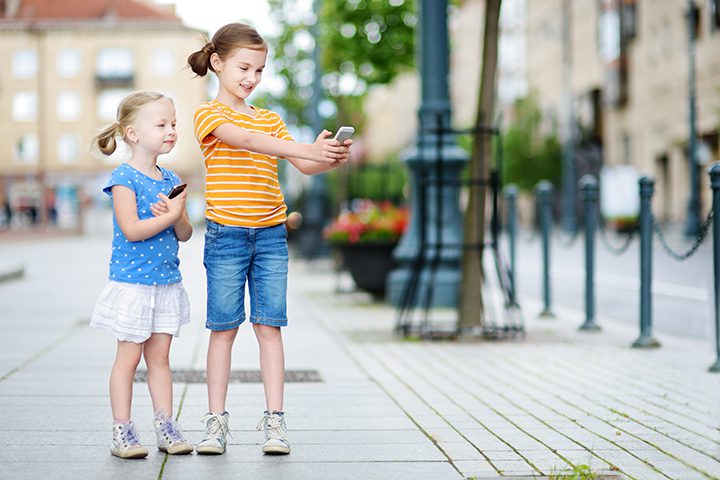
[234,254]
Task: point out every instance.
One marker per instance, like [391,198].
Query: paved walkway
[385,409]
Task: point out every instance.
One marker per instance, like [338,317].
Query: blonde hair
[128,109]
[225,42]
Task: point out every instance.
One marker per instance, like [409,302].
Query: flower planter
[369,264]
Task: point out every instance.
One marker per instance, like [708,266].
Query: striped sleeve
[207,119]
[280,130]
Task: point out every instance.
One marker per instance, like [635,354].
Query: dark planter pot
[369,264]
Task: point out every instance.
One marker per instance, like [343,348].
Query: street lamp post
[569,210]
[440,274]
[692,221]
[311,243]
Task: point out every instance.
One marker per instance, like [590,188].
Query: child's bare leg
[219,359]
[127,359]
[159,376]
[272,365]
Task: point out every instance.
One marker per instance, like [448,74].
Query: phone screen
[177,190]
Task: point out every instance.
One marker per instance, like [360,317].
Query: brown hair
[225,42]
[126,113]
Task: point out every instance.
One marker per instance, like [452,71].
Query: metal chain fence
[616,250]
[702,234]
[566,241]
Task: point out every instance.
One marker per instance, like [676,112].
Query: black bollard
[714,172]
[646,340]
[589,192]
[511,193]
[543,194]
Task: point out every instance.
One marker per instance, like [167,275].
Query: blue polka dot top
[153,261]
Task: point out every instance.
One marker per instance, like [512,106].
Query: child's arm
[183,228]
[134,229]
[312,168]
[324,151]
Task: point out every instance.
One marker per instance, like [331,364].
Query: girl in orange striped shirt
[245,217]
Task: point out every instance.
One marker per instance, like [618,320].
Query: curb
[13,272]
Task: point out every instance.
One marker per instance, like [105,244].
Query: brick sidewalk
[385,409]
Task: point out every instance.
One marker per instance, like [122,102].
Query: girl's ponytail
[200,61]
[106,139]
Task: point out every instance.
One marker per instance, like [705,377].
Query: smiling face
[239,73]
[153,128]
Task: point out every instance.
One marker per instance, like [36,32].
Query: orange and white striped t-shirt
[241,187]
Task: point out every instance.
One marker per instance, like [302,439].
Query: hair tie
[209,48]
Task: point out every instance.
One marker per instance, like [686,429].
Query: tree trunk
[471,300]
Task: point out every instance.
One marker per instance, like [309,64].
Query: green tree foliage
[362,43]
[528,155]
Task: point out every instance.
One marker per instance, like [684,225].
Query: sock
[161,414]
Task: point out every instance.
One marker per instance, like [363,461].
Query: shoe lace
[273,427]
[130,435]
[216,424]
[172,430]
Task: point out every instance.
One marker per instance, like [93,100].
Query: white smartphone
[343,133]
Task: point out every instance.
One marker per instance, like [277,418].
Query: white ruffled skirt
[132,312]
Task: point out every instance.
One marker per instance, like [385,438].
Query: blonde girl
[144,303]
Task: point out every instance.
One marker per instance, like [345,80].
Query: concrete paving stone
[513,468]
[224,468]
[476,468]
[461,451]
[502,455]
[77,467]
[25,400]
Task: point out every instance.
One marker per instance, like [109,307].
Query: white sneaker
[169,436]
[273,425]
[125,442]
[216,431]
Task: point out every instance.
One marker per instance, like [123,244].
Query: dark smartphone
[177,190]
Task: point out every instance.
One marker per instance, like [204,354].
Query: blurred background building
[64,67]
[629,82]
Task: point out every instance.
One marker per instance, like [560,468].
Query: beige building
[64,67]
[627,71]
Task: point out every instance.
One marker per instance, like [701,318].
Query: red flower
[368,221]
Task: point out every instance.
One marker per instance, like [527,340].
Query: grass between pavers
[579,472]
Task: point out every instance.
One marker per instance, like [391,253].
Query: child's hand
[345,156]
[328,150]
[166,206]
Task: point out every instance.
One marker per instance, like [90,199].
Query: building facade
[64,67]
[616,74]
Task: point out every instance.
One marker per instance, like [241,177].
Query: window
[715,15]
[24,107]
[27,148]
[108,101]
[694,16]
[68,106]
[628,19]
[25,64]
[68,63]
[626,149]
[68,148]
[609,41]
[115,63]
[163,62]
